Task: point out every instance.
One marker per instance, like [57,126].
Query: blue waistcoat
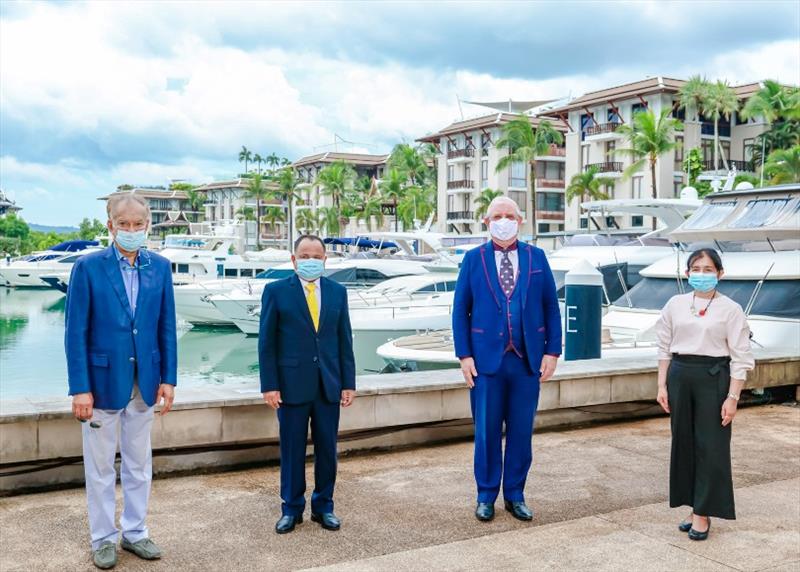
[512,309]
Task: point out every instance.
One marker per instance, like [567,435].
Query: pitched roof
[482,122]
[626,91]
[241,183]
[361,159]
[148,193]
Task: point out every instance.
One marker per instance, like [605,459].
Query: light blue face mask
[310,268]
[703,282]
[131,241]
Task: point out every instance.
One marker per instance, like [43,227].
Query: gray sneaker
[144,548]
[105,557]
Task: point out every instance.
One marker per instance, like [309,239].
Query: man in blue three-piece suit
[507,334]
[305,354]
[121,347]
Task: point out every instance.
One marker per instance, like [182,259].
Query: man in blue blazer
[305,355]
[507,334]
[122,359]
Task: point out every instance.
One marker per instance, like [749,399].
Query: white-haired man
[507,333]
[121,347]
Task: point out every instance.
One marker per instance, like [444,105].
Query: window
[561,228]
[183,269]
[543,227]
[586,122]
[246,273]
[637,108]
[550,170]
[517,175]
[760,212]
[369,276]
[636,187]
[467,173]
[584,222]
[485,139]
[451,203]
[584,156]
[637,220]
[610,147]
[519,197]
[451,172]
[484,174]
[553,202]
[677,185]
[230,273]
[275,273]
[679,153]
[747,149]
[613,116]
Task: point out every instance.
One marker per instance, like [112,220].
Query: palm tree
[245,155]
[306,220]
[524,144]
[482,202]
[410,162]
[196,200]
[258,191]
[329,220]
[273,215]
[285,162]
[371,207]
[258,159]
[272,160]
[289,187]
[337,181]
[720,101]
[417,205]
[246,213]
[693,94]
[783,166]
[588,184]
[392,187]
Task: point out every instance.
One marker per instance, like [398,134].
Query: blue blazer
[103,342]
[291,355]
[479,328]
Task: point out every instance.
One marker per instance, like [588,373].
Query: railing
[460,215]
[459,153]
[550,183]
[549,215]
[741,166]
[602,128]
[556,151]
[484,152]
[606,167]
[461,184]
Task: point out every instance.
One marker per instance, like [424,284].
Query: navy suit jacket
[480,329]
[104,345]
[292,356]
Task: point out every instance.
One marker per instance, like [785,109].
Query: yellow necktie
[313,307]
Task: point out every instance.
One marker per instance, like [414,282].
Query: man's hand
[468,371]
[347,397]
[548,367]
[82,404]
[167,393]
[273,399]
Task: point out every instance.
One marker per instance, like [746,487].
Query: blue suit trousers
[508,397]
[293,432]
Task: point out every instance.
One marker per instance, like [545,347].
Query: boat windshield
[183,241]
[709,215]
[760,212]
[275,273]
[777,298]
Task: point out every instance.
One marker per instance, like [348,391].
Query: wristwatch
[734,397]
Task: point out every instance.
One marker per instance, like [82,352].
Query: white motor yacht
[28,270]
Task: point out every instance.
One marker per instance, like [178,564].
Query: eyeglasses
[92,424]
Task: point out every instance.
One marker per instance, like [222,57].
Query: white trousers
[131,426]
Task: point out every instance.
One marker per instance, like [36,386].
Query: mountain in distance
[56,229]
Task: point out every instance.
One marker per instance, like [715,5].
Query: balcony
[466,184]
[460,216]
[550,215]
[550,183]
[460,155]
[602,131]
[555,153]
[611,169]
[740,166]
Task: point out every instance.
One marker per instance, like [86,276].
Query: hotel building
[467,161]
[591,122]
[169,209]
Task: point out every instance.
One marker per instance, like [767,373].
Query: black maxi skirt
[700,463]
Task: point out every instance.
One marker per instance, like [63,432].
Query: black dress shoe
[484,511]
[287,523]
[327,520]
[685,526]
[519,510]
[695,535]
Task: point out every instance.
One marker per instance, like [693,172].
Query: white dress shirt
[513,256]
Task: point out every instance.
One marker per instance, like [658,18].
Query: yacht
[28,270]
[757,232]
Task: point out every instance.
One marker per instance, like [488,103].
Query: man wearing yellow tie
[307,369]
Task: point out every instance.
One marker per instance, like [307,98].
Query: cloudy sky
[93,95]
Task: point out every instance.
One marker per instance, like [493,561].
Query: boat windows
[709,215]
[777,298]
[275,273]
[230,273]
[449,286]
[760,212]
[183,269]
[69,259]
[246,273]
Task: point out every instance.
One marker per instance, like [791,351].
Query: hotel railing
[746,166]
[460,215]
[458,153]
[556,151]
[461,184]
[602,128]
[605,167]
[550,183]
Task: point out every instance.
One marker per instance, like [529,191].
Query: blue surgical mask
[131,241]
[310,268]
[703,282]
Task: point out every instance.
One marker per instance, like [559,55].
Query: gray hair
[502,199]
[116,200]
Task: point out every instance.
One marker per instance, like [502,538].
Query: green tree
[196,200]
[783,166]
[693,95]
[408,161]
[371,208]
[89,229]
[307,221]
[288,191]
[419,201]
[482,201]
[693,165]
[587,184]
[720,102]
[780,107]
[273,161]
[337,181]
[258,159]
[524,144]
[392,187]
[256,189]
[273,215]
[329,220]
[245,155]
[246,213]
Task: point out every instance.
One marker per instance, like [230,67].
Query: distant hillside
[55,229]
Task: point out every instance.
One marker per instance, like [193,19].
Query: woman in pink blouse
[704,356]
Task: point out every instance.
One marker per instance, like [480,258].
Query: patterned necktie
[506,274]
[313,307]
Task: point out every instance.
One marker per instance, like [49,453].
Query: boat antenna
[678,271]
[622,281]
[718,245]
[757,291]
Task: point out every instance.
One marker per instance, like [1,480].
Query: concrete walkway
[599,494]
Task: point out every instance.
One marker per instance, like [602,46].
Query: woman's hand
[663,398]
[728,412]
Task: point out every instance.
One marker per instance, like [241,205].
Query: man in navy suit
[121,347]
[305,354]
[507,334]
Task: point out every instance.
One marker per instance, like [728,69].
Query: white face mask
[504,228]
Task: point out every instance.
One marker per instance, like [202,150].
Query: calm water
[32,361]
